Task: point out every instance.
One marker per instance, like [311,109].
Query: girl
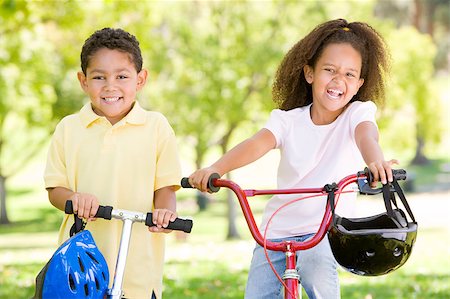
[325,129]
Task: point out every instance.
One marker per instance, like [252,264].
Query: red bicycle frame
[290,276]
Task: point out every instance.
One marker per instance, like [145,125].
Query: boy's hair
[291,90]
[114,39]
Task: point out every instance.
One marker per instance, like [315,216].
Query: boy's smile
[111,81]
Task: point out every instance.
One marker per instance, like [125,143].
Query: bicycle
[393,223]
[89,260]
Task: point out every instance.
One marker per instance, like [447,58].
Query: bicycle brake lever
[364,185]
[365,189]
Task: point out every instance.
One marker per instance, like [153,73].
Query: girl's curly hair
[290,88]
[114,39]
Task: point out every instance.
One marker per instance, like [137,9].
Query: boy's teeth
[111,99]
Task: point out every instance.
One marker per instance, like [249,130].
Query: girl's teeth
[334,92]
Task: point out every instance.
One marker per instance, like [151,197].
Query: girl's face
[111,81]
[335,79]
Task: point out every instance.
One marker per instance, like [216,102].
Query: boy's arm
[84,205]
[165,207]
[366,136]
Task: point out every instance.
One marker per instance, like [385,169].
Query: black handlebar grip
[184,225]
[68,209]
[399,174]
[185,183]
[102,212]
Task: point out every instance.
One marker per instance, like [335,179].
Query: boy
[115,153]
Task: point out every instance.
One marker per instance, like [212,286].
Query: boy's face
[111,81]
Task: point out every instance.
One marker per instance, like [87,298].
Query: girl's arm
[366,136]
[165,207]
[242,154]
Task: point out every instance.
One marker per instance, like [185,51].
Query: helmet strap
[389,198]
[77,226]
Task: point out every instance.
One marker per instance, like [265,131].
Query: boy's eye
[122,77]
[351,75]
[98,77]
[329,70]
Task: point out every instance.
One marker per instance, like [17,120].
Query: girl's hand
[199,179]
[161,219]
[85,205]
[381,171]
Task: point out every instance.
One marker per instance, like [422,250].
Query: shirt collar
[136,116]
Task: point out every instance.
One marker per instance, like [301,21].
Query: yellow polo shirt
[122,165]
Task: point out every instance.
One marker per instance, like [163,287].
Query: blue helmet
[76,270]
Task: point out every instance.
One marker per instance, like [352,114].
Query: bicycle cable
[338,193]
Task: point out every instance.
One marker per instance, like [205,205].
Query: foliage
[211,66]
[413,106]
[27,94]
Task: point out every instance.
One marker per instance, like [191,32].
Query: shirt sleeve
[277,124]
[55,174]
[168,166]
[361,112]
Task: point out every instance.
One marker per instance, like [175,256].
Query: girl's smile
[335,79]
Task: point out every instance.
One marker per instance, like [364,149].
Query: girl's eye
[351,75]
[329,70]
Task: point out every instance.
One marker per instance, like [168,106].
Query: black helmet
[374,245]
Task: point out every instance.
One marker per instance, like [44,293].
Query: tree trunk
[3,213]
[231,199]
[418,15]
[420,158]
[233,232]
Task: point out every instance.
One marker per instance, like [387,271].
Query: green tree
[217,74]
[219,59]
[40,44]
[413,107]
[27,96]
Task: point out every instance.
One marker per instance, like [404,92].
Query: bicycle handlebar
[363,178]
[108,212]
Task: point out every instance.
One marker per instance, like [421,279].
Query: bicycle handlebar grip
[184,225]
[102,212]
[185,182]
[399,174]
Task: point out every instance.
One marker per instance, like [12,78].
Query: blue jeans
[316,266]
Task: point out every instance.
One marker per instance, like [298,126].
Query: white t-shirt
[311,157]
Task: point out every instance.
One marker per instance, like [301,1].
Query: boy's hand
[381,171]
[199,179]
[161,219]
[85,205]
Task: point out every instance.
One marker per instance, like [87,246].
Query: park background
[211,65]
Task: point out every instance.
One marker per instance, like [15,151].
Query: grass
[203,265]
[433,176]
